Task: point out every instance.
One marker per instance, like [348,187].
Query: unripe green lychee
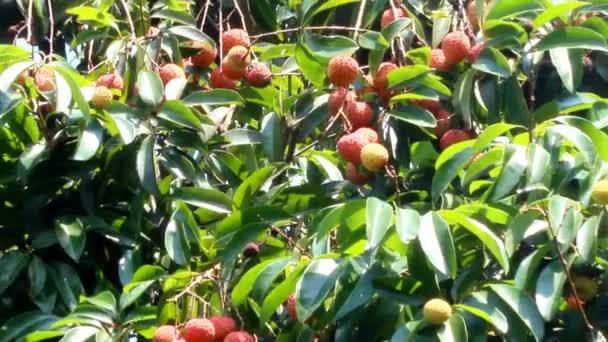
[239,336]
[223,325]
[599,192]
[374,157]
[437,311]
[342,70]
[234,37]
[586,287]
[170,71]
[102,97]
[455,46]
[167,333]
[199,330]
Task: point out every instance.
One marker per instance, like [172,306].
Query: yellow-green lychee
[599,192]
[437,311]
[374,157]
[102,97]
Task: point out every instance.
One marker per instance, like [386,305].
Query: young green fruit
[599,192]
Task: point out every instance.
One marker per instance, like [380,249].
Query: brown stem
[359,18]
[240,12]
[205,12]
[221,23]
[129,19]
[291,242]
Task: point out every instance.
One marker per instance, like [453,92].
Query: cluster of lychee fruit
[455,47]
[215,329]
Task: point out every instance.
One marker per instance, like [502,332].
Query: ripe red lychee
[342,70]
[234,37]
[455,46]
[359,114]
[444,119]
[438,60]
[223,325]
[111,81]
[218,80]
[205,56]
[380,81]
[258,75]
[199,330]
[475,51]
[430,105]
[350,145]
[452,137]
[170,71]
[44,79]
[354,175]
[236,62]
[291,307]
[167,333]
[374,157]
[388,16]
[339,98]
[573,302]
[22,78]
[101,97]
[239,336]
[370,135]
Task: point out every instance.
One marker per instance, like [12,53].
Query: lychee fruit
[368,134]
[223,326]
[44,79]
[437,311]
[354,175]
[374,157]
[235,63]
[258,75]
[452,137]
[586,287]
[234,37]
[430,105]
[381,79]
[455,46]
[152,32]
[170,71]
[251,249]
[339,98]
[438,60]
[359,114]
[111,81]
[22,78]
[239,336]
[102,97]
[167,333]
[342,70]
[218,80]
[599,192]
[350,145]
[475,51]
[573,302]
[205,56]
[291,307]
[199,330]
[444,119]
[388,16]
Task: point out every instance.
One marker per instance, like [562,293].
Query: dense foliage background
[178,201]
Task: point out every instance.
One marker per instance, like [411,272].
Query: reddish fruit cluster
[169,72]
[342,70]
[215,329]
[234,37]
[389,15]
[110,81]
[339,99]
[455,47]
[235,63]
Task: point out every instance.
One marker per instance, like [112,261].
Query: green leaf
[569,104]
[248,281]
[586,239]
[176,239]
[513,8]
[568,64]
[413,114]
[330,4]
[37,275]
[379,215]
[89,140]
[191,33]
[129,297]
[556,11]
[10,74]
[272,133]
[176,112]
[209,199]
[515,164]
[11,265]
[251,185]
[67,283]
[490,133]
[455,158]
[523,306]
[549,287]
[407,224]
[24,323]
[71,236]
[361,294]
[67,75]
[243,136]
[463,98]
[597,136]
[314,285]
[146,168]
[406,76]
[437,244]
[493,62]
[573,38]
[527,272]
[214,97]
[312,68]
[454,329]
[150,88]
[79,334]
[182,17]
[104,300]
[329,46]
[281,292]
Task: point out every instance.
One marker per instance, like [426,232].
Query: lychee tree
[304,170]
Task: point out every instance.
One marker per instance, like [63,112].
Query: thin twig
[207,4]
[220,16]
[30,14]
[51,29]
[129,19]
[400,46]
[359,18]
[291,242]
[240,12]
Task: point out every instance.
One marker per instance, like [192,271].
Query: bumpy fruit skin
[437,311]
[359,114]
[258,75]
[444,119]
[342,70]
[239,336]
[475,51]
[374,157]
[223,325]
[452,137]
[205,57]
[368,134]
[388,16]
[112,81]
[170,71]
[102,97]
[234,37]
[167,333]
[218,80]
[349,146]
[44,79]
[573,302]
[586,287]
[438,60]
[199,330]
[339,98]
[354,175]
[236,62]
[291,307]
[455,46]
[251,249]
[599,192]
[380,81]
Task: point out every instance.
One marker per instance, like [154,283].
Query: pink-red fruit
[339,98]
[388,16]
[452,137]
[223,325]
[167,333]
[455,46]
[170,71]
[374,157]
[475,51]
[359,114]
[342,70]
[349,146]
[205,57]
[236,62]
[44,79]
[430,105]
[258,75]
[438,60]
[111,81]
[218,80]
[291,307]
[381,79]
[234,37]
[444,119]
[354,175]
[239,336]
[199,330]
